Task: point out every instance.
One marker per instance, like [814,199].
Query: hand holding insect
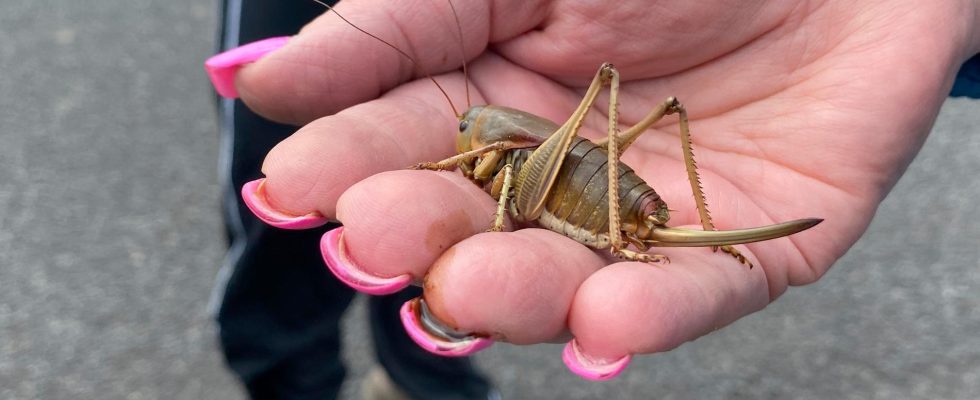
[787,123]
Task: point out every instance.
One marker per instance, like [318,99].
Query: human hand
[795,111]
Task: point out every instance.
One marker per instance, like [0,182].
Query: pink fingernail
[332,248]
[592,368]
[222,67]
[443,346]
[254,197]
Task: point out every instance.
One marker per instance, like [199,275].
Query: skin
[798,109]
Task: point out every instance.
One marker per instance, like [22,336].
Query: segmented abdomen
[578,205]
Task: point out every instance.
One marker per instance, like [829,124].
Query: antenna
[416,64]
[462,52]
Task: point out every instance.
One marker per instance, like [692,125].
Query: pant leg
[278,308]
[967,83]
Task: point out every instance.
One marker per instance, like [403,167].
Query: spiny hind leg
[695,179]
[626,138]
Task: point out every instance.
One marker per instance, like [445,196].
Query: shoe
[377,385]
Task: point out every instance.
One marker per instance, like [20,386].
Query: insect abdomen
[577,205]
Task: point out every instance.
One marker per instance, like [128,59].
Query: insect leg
[672,106]
[486,166]
[626,138]
[616,243]
[502,193]
[669,106]
[540,171]
[695,180]
[451,162]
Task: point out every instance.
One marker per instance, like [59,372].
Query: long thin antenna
[462,52]
[416,64]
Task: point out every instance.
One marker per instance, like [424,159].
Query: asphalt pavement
[110,239]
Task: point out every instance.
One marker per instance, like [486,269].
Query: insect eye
[463,125]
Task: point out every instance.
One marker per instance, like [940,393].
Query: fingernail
[222,67]
[332,248]
[589,367]
[254,196]
[412,319]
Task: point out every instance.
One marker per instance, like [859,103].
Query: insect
[545,173]
[581,189]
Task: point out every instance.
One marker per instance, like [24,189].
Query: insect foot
[641,257]
[738,255]
[431,166]
[495,228]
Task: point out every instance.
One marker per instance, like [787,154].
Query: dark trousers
[278,308]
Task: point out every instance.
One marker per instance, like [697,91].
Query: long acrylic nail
[253,194]
[415,318]
[592,368]
[221,68]
[347,271]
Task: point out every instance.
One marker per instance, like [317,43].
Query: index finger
[330,65]
[308,171]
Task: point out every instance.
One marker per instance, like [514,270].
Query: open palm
[798,109]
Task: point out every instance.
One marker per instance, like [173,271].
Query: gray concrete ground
[110,239]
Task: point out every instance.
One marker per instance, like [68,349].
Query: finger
[309,170]
[512,286]
[400,222]
[634,308]
[330,65]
